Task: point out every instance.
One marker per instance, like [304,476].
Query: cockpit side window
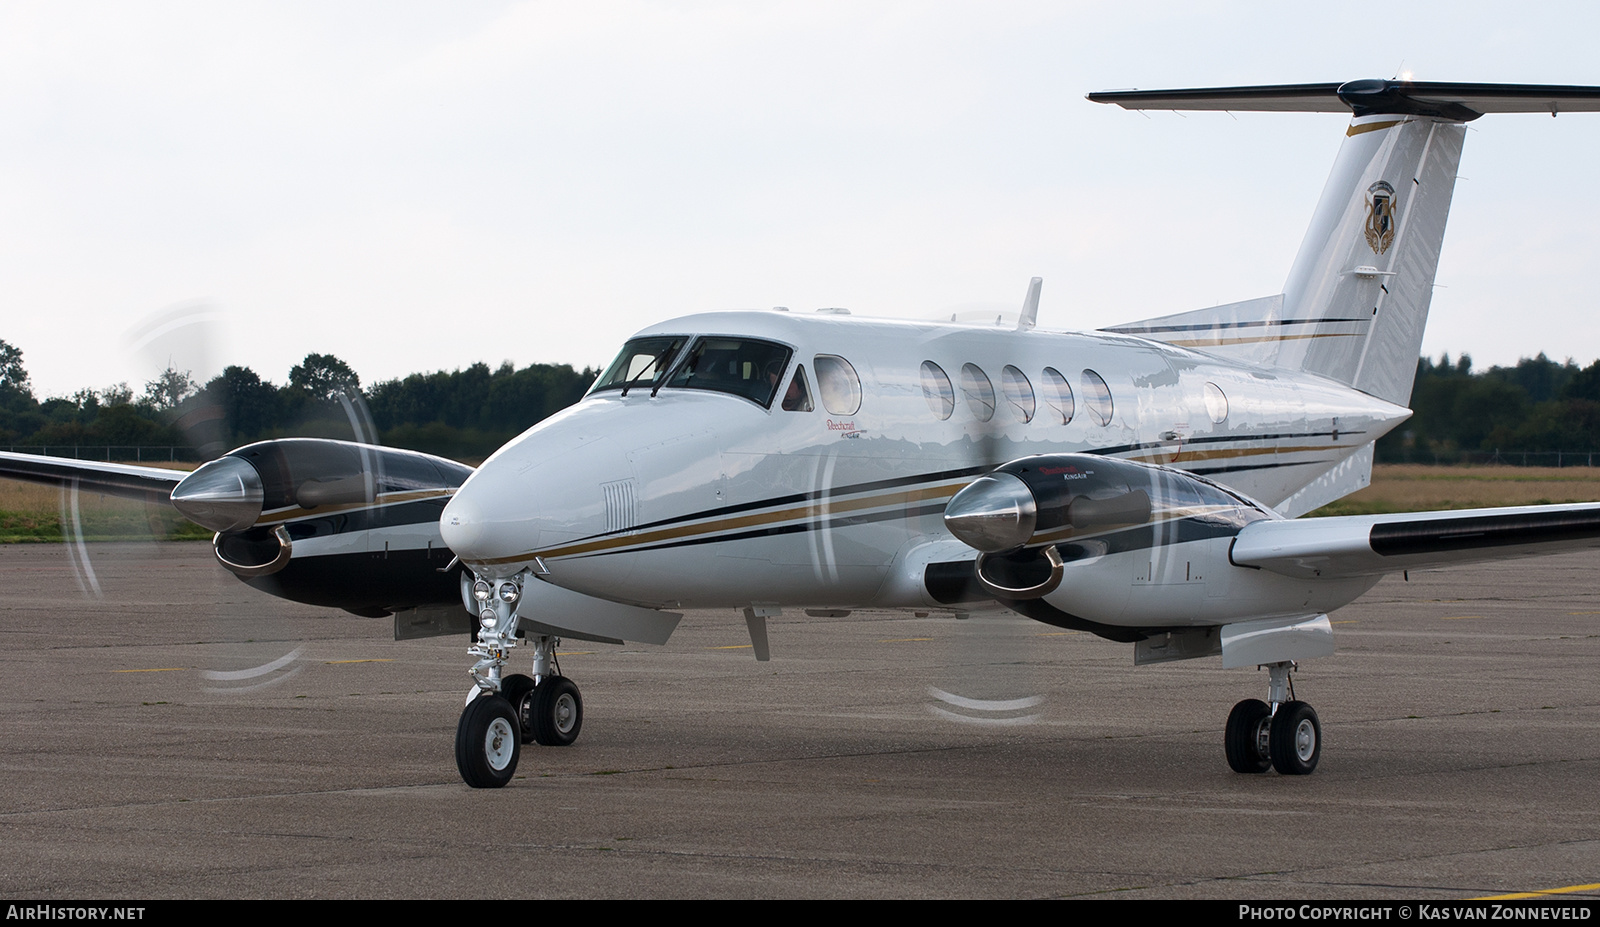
[741,366]
[641,364]
[797,398]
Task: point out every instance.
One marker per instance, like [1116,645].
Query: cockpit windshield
[641,364]
[741,366]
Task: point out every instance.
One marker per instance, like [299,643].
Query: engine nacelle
[264,499]
[1032,517]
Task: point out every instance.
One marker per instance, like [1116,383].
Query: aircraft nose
[487,522]
[462,527]
[223,495]
[993,513]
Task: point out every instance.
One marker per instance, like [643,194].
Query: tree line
[1537,405]
[464,414]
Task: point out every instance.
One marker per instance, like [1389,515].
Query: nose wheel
[549,713]
[487,742]
[556,712]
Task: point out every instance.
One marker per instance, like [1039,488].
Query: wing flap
[1368,545]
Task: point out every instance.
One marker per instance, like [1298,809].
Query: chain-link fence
[1495,458]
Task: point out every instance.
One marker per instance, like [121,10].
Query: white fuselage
[694,498]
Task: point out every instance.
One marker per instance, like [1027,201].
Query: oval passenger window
[1216,403]
[1097,396]
[937,390]
[838,384]
[1019,392]
[1058,396]
[979,391]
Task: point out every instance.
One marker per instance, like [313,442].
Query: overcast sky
[416,187]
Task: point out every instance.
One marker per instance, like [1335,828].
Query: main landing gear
[1285,735]
[504,712]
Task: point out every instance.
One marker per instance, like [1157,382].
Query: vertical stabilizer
[1356,300]
[1357,297]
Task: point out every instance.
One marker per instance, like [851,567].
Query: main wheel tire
[517,690]
[1243,738]
[557,712]
[487,742]
[1296,739]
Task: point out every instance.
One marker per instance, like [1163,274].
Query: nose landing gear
[502,713]
[1287,736]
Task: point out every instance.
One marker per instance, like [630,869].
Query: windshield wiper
[653,362]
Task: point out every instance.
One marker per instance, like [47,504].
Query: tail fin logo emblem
[1380,216]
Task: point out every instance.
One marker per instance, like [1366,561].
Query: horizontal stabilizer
[1463,102]
[128,481]
[1370,545]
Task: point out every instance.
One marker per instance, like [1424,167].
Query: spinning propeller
[333,498]
[989,675]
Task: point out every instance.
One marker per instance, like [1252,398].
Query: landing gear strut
[504,712]
[1285,735]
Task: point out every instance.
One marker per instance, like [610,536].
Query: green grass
[46,527]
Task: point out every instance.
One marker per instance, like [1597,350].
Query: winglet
[1030,306]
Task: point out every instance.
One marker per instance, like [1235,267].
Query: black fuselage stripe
[1173,531]
[840,521]
[1218,439]
[796,498]
[1237,468]
[939,476]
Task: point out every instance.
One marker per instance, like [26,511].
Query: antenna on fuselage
[1030,306]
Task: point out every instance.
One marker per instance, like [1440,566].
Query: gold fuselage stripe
[617,543]
[676,532]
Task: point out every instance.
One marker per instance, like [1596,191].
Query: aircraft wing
[1368,545]
[145,484]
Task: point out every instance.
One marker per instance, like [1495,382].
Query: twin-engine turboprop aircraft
[1139,482]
